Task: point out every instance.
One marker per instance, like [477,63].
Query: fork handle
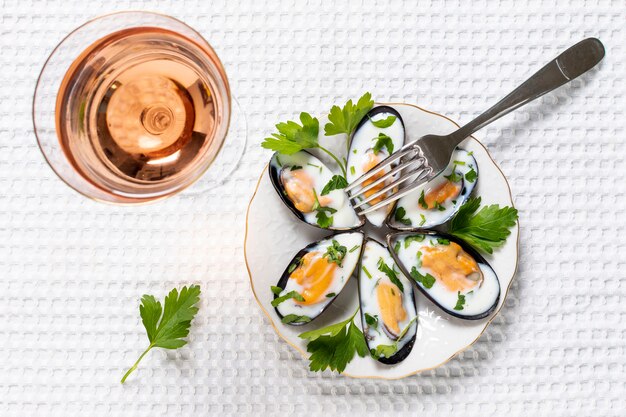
[572,63]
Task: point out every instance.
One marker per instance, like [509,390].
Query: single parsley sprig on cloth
[334,346]
[485,229]
[166,327]
[345,120]
[292,138]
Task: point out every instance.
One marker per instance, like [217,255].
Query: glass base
[229,156]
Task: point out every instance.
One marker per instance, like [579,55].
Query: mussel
[380,133]
[299,179]
[388,312]
[316,276]
[436,201]
[448,272]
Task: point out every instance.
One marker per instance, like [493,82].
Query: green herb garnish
[293,137]
[396,247]
[383,141]
[330,295]
[276,290]
[167,325]
[334,346]
[422,201]
[471,175]
[335,253]
[393,277]
[460,302]
[384,350]
[371,321]
[413,238]
[423,219]
[337,182]
[443,241]
[383,123]
[485,229]
[454,176]
[355,247]
[295,167]
[294,318]
[399,216]
[352,171]
[426,280]
[291,294]
[366,272]
[346,119]
[439,207]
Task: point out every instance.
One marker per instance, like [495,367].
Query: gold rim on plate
[303,353]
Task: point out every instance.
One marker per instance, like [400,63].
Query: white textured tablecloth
[72,270]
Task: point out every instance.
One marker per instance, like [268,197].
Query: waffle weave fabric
[72,270]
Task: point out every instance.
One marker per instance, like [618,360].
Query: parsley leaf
[383,141]
[323,220]
[485,229]
[345,120]
[471,175]
[335,253]
[423,219]
[276,290]
[422,201]
[291,294]
[371,321]
[334,346]
[337,182]
[366,272]
[393,277]
[426,280]
[383,123]
[293,137]
[460,302]
[384,350]
[442,241]
[454,176]
[330,295]
[399,216]
[355,247]
[439,207]
[167,326]
[294,318]
[413,238]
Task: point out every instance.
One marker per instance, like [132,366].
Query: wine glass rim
[132,201]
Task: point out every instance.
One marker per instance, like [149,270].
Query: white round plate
[274,236]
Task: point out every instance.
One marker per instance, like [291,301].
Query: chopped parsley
[276,290]
[383,141]
[396,247]
[291,294]
[471,175]
[386,351]
[459,162]
[294,318]
[439,207]
[352,170]
[314,166]
[426,280]
[355,247]
[422,201]
[371,321]
[399,216]
[393,276]
[335,253]
[294,265]
[295,167]
[460,302]
[330,295]
[454,176]
[337,182]
[383,123]
[442,241]
[413,238]
[323,220]
[423,219]
[419,258]
[366,272]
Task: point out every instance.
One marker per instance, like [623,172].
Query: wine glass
[134,107]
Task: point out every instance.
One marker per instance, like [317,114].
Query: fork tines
[412,165]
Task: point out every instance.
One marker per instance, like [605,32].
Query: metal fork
[428,156]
